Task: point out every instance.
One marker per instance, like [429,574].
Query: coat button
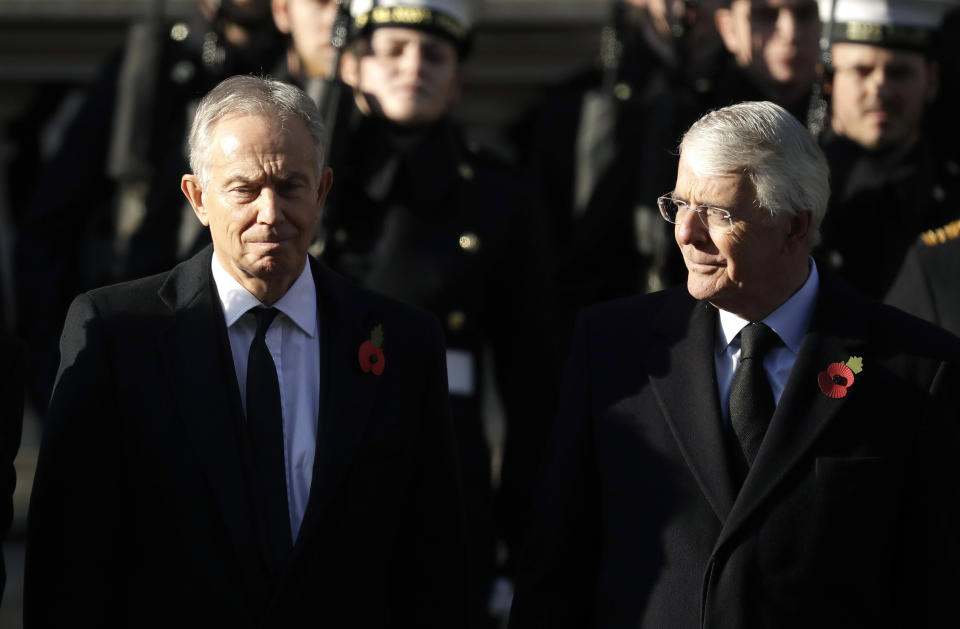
[340,236]
[622,90]
[182,72]
[179,31]
[466,171]
[456,320]
[469,242]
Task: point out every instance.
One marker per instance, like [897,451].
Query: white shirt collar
[790,321]
[299,303]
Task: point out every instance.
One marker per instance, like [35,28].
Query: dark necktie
[751,399]
[265,428]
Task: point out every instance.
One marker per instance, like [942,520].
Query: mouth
[697,266]
[268,243]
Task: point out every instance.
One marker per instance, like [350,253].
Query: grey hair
[253,96]
[772,148]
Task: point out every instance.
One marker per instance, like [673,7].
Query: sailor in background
[890,181]
[420,214]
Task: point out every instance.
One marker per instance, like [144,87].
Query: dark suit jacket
[847,518]
[141,516]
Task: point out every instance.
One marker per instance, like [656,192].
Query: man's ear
[281,15]
[800,225]
[190,185]
[326,182]
[350,68]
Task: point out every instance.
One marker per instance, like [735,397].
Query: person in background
[598,147]
[926,285]
[774,54]
[890,181]
[425,216]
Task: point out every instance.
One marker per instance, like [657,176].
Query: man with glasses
[762,449]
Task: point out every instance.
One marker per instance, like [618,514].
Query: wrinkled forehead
[700,184]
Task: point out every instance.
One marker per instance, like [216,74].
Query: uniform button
[622,90]
[340,236]
[179,31]
[466,171]
[182,72]
[469,242]
[835,260]
[938,193]
[456,320]
[953,168]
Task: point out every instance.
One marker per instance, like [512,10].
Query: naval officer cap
[450,19]
[902,24]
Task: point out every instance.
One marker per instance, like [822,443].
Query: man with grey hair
[763,449]
[248,440]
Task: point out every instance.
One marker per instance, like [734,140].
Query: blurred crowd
[503,253]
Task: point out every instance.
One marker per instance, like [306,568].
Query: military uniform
[598,152]
[446,228]
[879,204]
[882,196]
[418,213]
[927,283]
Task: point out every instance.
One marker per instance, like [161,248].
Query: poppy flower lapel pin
[838,377]
[371,353]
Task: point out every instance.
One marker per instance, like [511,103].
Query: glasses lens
[668,209]
[716,220]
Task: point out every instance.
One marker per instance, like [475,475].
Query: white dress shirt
[790,321]
[295,348]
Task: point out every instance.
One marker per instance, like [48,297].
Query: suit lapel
[347,394]
[198,364]
[687,394]
[804,411]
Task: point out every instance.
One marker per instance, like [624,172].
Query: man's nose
[412,61]
[878,83]
[268,207]
[787,24]
[689,228]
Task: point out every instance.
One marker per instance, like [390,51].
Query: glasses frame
[701,210]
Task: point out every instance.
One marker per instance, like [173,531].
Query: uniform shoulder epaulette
[940,235]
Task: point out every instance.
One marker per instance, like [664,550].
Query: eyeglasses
[715,219]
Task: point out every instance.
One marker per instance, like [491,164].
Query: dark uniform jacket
[928,284]
[141,514]
[848,517]
[421,216]
[879,205]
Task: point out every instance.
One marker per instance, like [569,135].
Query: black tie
[265,426]
[751,399]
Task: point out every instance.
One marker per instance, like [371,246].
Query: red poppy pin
[371,353]
[838,377]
